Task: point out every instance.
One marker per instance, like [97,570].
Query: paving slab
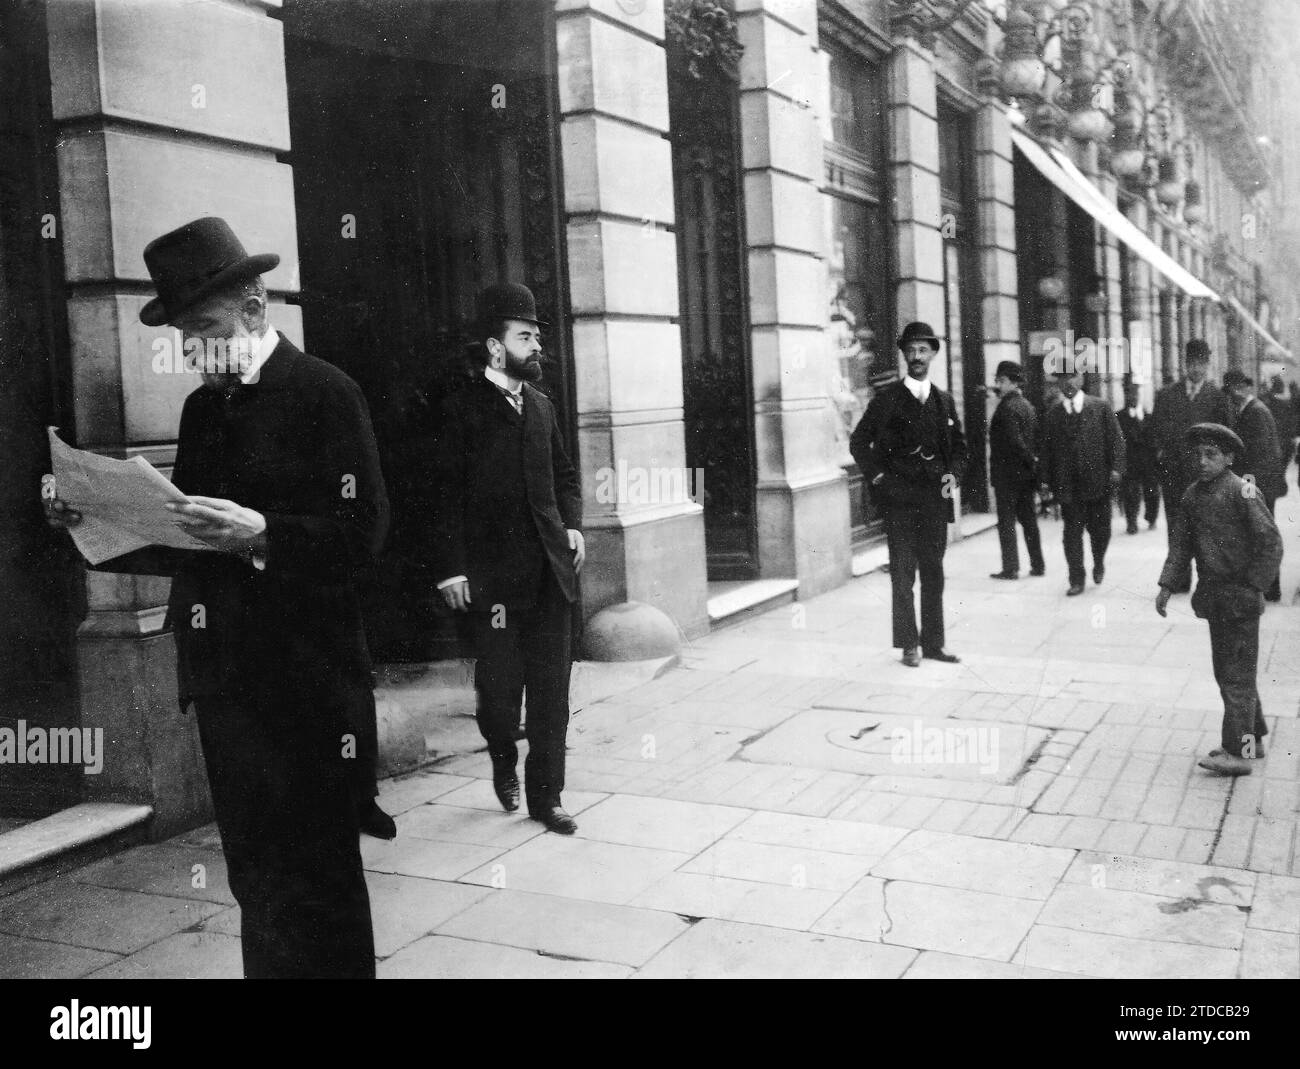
[868,841]
[1276,905]
[594,931]
[184,956]
[934,965]
[1269,955]
[662,823]
[460,824]
[790,866]
[398,795]
[579,868]
[99,918]
[404,908]
[718,949]
[162,869]
[42,959]
[696,895]
[1140,916]
[1018,870]
[440,957]
[1175,880]
[479,794]
[427,858]
[1101,955]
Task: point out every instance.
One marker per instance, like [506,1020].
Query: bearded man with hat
[278,461]
[912,453]
[507,540]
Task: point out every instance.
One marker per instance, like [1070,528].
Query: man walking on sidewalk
[1013,462]
[1179,405]
[506,536]
[1141,483]
[910,448]
[1083,461]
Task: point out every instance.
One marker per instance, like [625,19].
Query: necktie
[516,399]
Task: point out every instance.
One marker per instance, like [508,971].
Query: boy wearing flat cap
[1225,526]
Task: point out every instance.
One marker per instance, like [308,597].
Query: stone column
[168,111]
[618,200]
[802,493]
[1144,309]
[1116,358]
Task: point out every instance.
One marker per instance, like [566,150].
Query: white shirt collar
[1245,403]
[918,388]
[500,378]
[1136,412]
[1075,403]
[264,348]
[1194,388]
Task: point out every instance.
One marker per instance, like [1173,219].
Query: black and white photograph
[666,489]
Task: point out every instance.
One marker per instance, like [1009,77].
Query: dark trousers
[365,728]
[281,789]
[1015,504]
[1234,647]
[1274,592]
[917,541]
[1095,517]
[528,653]
[1172,491]
[1136,492]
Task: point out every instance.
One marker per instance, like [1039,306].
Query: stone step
[732,603]
[67,840]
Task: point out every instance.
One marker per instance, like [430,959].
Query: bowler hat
[918,332]
[1215,434]
[1197,349]
[194,261]
[506,300]
[1235,377]
[1011,370]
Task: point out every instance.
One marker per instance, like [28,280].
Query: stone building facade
[727,208]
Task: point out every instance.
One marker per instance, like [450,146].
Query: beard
[524,369]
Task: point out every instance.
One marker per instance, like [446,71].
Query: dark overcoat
[297,446]
[1079,456]
[483,527]
[1263,460]
[1139,444]
[1171,416]
[1013,437]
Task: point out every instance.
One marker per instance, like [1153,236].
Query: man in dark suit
[1283,407]
[1260,462]
[277,458]
[1082,461]
[912,453]
[1178,406]
[507,541]
[1013,464]
[1141,483]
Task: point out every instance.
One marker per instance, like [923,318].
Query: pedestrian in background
[1232,537]
[1013,467]
[1141,483]
[1283,405]
[1178,406]
[1260,462]
[910,448]
[1083,462]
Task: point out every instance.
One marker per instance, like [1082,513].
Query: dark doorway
[41,579]
[717,391]
[425,167]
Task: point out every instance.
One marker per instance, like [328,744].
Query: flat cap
[1215,434]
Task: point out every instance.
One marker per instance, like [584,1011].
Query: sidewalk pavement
[792,801]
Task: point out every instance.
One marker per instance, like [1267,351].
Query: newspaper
[122,503]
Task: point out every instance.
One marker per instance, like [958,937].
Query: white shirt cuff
[454,579]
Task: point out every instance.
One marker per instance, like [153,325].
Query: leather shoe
[374,821]
[1132,528]
[912,657]
[555,819]
[1225,764]
[1098,574]
[1037,571]
[1004,575]
[942,655]
[506,785]
[1075,589]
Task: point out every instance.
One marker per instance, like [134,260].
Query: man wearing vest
[507,538]
[910,448]
[1083,460]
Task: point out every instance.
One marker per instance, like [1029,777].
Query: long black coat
[1172,415]
[885,442]
[1263,460]
[484,528]
[298,447]
[1013,436]
[1078,458]
[1139,444]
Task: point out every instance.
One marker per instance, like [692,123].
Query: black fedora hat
[194,261]
[1009,369]
[918,332]
[1197,349]
[506,300]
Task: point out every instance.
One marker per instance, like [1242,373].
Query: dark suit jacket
[1013,437]
[1172,415]
[1139,445]
[298,447]
[1255,427]
[886,440]
[1078,457]
[504,511]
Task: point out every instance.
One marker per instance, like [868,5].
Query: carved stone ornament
[705,31]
